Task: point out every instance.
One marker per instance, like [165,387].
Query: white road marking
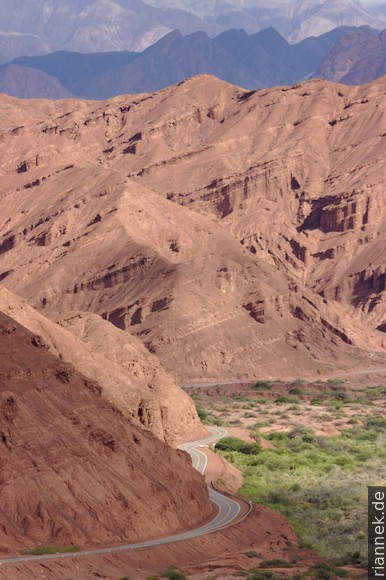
[229,510]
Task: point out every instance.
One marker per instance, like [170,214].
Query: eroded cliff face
[235,233]
[74,470]
[130,377]
[297,176]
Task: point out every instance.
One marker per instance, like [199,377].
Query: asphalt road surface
[228,512]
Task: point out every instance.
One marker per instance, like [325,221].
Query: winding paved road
[228,512]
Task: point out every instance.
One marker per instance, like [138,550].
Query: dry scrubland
[308,450]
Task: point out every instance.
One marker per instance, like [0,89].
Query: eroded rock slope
[235,233]
[130,377]
[73,469]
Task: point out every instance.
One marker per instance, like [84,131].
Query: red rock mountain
[235,233]
[130,377]
[73,469]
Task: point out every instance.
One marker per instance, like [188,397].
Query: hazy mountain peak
[296,20]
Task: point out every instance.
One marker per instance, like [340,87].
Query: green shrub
[174,574]
[377,423]
[295,487]
[341,573]
[340,396]
[302,433]
[262,386]
[295,391]
[253,554]
[241,399]
[235,444]
[325,571]
[282,399]
[278,436]
[41,550]
[275,563]
[203,415]
[317,401]
[208,419]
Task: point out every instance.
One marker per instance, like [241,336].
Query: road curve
[228,511]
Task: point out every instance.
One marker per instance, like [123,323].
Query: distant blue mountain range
[259,60]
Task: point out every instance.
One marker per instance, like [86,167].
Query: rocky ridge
[130,377]
[236,233]
[74,470]
[357,58]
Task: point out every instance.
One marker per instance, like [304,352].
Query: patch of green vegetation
[260,424]
[262,386]
[375,392]
[208,419]
[203,415]
[174,573]
[296,391]
[275,563]
[325,571]
[238,445]
[352,421]
[317,401]
[378,423]
[318,483]
[242,399]
[252,554]
[284,399]
[42,550]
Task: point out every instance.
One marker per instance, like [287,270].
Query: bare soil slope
[131,378]
[233,232]
[73,469]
